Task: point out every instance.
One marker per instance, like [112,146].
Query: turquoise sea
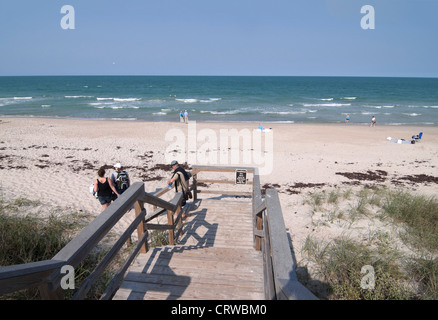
[395,101]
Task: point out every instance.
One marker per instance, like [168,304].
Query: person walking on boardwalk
[104,188]
[179,179]
[120,178]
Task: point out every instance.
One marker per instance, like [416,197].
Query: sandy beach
[55,160]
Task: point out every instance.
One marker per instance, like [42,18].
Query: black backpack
[123,183]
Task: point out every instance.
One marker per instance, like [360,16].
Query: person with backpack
[181,179]
[120,178]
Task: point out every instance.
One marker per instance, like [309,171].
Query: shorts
[104,199]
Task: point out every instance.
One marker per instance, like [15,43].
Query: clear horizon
[210,75]
[220,38]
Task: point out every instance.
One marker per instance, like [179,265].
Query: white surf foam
[187,100]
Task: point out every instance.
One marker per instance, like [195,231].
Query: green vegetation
[420,216]
[28,237]
[399,274]
[340,263]
[159,238]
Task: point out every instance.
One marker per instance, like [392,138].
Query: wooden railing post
[178,214]
[141,228]
[178,211]
[48,294]
[195,187]
[258,206]
[170,221]
[258,240]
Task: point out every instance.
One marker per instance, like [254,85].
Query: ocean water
[395,101]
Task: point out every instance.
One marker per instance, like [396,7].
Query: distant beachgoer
[373,121]
[104,188]
[186,116]
[347,119]
[181,117]
[120,178]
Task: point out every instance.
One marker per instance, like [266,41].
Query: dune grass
[340,262]
[398,275]
[419,215]
[26,236]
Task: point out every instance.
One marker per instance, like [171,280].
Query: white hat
[118,165]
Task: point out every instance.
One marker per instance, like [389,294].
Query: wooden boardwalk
[229,248]
[215,258]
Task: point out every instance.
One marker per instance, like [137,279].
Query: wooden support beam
[141,229]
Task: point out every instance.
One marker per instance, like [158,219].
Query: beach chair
[417,137]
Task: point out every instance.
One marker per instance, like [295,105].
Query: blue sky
[219,37]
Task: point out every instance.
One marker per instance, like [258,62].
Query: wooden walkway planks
[214,259]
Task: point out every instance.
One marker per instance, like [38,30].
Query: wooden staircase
[229,248]
[215,258]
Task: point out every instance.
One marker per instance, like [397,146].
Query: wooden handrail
[23,276]
[151,199]
[198,168]
[78,248]
[47,274]
[85,287]
[286,284]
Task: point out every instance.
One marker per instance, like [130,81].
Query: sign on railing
[241,176]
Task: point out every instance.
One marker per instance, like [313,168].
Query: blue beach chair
[417,137]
